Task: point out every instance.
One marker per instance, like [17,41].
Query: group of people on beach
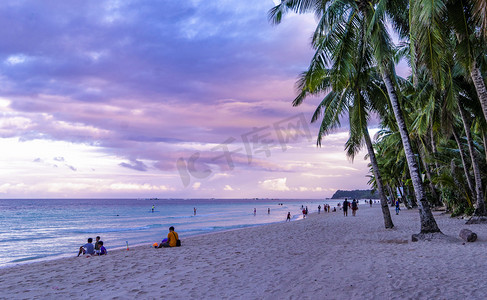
[326,208]
[305,211]
[90,249]
[350,205]
[268,211]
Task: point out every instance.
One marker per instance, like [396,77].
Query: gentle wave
[63,225]
[106,230]
[24,239]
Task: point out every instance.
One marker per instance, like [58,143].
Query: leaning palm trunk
[480,209]
[428,222]
[378,180]
[479,83]
[484,138]
[464,163]
[391,194]
[433,149]
[428,175]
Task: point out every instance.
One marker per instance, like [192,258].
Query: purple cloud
[153,81]
[134,165]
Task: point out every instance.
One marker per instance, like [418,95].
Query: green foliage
[469,210]
[355,194]
[458,211]
[441,42]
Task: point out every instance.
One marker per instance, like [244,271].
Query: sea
[43,229]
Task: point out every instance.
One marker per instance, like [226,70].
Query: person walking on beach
[319,208]
[354,207]
[304,213]
[345,208]
[306,210]
[397,207]
[172,239]
[288,216]
[87,248]
[370,202]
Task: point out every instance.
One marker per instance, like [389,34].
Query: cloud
[71,168]
[140,85]
[139,187]
[135,165]
[278,184]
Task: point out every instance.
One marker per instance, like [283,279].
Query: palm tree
[374,36]
[352,87]
[435,22]
[449,45]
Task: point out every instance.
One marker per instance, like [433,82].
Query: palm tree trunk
[391,194]
[408,197]
[484,138]
[433,149]
[434,194]
[479,83]
[428,222]
[464,163]
[480,209]
[378,181]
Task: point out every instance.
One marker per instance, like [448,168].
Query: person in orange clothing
[172,238]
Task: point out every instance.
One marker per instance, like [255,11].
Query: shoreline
[325,256]
[135,246]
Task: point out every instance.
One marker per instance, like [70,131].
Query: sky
[167,99]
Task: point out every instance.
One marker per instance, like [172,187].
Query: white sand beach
[325,256]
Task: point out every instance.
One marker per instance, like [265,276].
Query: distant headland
[355,194]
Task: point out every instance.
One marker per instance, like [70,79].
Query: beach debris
[127,245]
[468,235]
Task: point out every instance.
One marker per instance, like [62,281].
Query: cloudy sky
[169,99]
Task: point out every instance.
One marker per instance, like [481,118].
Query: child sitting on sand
[103,250]
[87,248]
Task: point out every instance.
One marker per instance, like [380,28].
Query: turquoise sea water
[40,229]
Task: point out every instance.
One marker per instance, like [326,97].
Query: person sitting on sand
[97,244]
[87,248]
[172,238]
[102,250]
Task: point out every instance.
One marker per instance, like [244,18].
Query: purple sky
[101,99]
